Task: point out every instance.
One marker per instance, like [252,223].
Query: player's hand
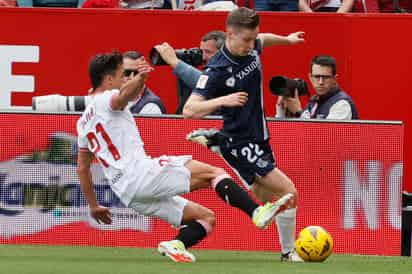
[296,37]
[143,68]
[167,53]
[101,214]
[237,99]
[282,102]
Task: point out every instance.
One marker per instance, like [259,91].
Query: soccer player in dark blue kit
[232,81]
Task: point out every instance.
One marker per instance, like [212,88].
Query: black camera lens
[283,86]
[155,58]
[192,56]
[278,86]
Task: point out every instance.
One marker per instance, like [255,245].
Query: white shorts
[158,196]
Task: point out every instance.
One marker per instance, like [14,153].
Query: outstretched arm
[197,106]
[189,74]
[131,89]
[270,39]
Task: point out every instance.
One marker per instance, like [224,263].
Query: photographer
[186,72]
[329,102]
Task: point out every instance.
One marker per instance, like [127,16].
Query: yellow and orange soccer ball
[314,244]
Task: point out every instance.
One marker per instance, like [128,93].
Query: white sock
[286,224]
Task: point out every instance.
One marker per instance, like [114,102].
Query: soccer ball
[314,244]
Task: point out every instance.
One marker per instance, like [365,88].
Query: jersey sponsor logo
[201,83]
[230,82]
[247,70]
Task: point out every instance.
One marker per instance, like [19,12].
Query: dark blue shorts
[248,159]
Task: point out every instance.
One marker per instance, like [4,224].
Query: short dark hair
[243,18]
[217,35]
[102,65]
[324,60]
[134,55]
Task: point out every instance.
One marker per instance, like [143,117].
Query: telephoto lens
[60,103]
[283,86]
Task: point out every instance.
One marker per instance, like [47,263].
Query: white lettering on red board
[363,196]
[10,83]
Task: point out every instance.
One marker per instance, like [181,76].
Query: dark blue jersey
[226,74]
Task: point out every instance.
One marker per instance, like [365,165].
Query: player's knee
[294,200]
[290,188]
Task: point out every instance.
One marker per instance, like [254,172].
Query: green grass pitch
[38,259]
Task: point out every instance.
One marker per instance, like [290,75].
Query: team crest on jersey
[201,83]
[230,82]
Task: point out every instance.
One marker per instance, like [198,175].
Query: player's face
[116,80]
[209,49]
[322,79]
[241,41]
[130,67]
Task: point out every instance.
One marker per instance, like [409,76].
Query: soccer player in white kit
[151,186]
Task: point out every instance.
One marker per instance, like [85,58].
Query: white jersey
[113,137]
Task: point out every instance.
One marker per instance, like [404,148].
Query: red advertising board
[46,51]
[348,175]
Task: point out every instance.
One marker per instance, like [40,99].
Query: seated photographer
[184,68]
[329,102]
[147,102]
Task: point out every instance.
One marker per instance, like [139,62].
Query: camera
[283,86]
[192,56]
[58,103]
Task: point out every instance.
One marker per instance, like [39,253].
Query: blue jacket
[319,107]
